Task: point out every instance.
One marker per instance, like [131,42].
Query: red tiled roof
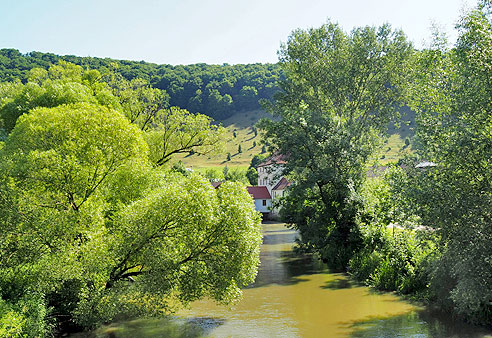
[282,184]
[274,159]
[259,193]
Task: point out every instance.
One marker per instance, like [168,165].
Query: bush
[26,318]
[394,257]
[402,264]
[363,265]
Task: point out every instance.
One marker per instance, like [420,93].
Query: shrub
[26,318]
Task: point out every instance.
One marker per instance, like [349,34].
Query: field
[241,125]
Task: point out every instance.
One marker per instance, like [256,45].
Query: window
[264,202]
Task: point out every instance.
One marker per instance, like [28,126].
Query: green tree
[252,175]
[62,83]
[453,100]
[339,94]
[91,231]
[235,175]
[178,131]
[256,160]
[248,97]
[139,101]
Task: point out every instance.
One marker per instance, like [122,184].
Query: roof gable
[259,192]
[282,184]
[274,159]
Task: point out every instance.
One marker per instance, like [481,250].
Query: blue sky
[209,31]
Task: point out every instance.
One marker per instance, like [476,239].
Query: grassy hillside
[242,123]
[395,147]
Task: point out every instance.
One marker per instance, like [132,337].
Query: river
[296,296]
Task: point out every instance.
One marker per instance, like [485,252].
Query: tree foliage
[339,94]
[453,98]
[177,131]
[139,101]
[63,83]
[91,231]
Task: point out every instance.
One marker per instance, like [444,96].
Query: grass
[241,124]
[395,148]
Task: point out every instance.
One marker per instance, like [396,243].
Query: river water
[296,296]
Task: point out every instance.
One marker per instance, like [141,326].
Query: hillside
[242,125]
[395,147]
[218,91]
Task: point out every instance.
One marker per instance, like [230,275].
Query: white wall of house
[276,194]
[263,206]
[269,176]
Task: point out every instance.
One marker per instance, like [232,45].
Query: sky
[203,31]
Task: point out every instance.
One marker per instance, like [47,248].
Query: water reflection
[423,323]
[154,328]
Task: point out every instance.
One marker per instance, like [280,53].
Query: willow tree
[90,230]
[62,83]
[177,131]
[340,92]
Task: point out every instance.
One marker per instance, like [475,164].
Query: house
[279,189]
[270,179]
[270,171]
[271,185]
[262,198]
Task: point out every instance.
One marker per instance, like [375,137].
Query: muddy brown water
[296,296]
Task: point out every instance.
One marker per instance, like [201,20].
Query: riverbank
[297,296]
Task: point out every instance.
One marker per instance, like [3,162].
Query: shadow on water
[339,283]
[424,323]
[276,238]
[164,327]
[286,230]
[290,270]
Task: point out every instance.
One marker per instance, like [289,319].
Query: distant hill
[242,125]
[218,91]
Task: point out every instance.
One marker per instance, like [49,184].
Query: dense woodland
[96,225]
[218,91]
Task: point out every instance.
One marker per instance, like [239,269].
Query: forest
[218,91]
